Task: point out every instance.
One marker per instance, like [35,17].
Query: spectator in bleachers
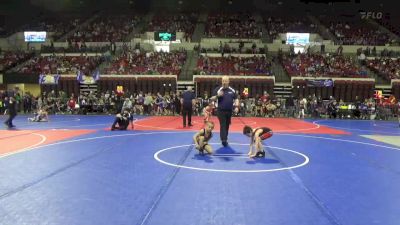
[108,102]
[55,25]
[355,31]
[175,23]
[387,67]
[237,25]
[278,25]
[106,29]
[10,59]
[256,65]
[318,65]
[227,49]
[137,62]
[61,64]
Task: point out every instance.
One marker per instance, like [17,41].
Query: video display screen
[297,38]
[35,36]
[164,36]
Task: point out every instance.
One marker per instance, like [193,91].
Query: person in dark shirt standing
[227,103]
[12,112]
[187,106]
[289,104]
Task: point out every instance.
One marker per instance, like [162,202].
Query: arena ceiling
[29,9]
[194,5]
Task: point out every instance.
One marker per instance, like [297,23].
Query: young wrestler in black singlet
[202,137]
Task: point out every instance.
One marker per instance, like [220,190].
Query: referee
[227,103]
[12,112]
[187,101]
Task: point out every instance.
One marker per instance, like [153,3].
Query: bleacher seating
[230,65]
[137,62]
[237,25]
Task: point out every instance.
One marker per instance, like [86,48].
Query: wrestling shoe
[260,154]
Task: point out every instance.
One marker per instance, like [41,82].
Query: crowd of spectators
[9,59]
[58,26]
[237,25]
[277,25]
[322,65]
[106,29]
[79,47]
[230,65]
[228,49]
[137,61]
[386,67]
[139,103]
[61,64]
[108,102]
[355,32]
[315,107]
[372,52]
[390,25]
[233,50]
[174,23]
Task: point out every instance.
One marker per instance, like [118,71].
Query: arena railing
[233,77]
[333,78]
[133,83]
[209,40]
[71,54]
[128,76]
[345,89]
[241,55]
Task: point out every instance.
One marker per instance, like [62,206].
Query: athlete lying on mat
[202,137]
[40,116]
[123,121]
[257,135]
